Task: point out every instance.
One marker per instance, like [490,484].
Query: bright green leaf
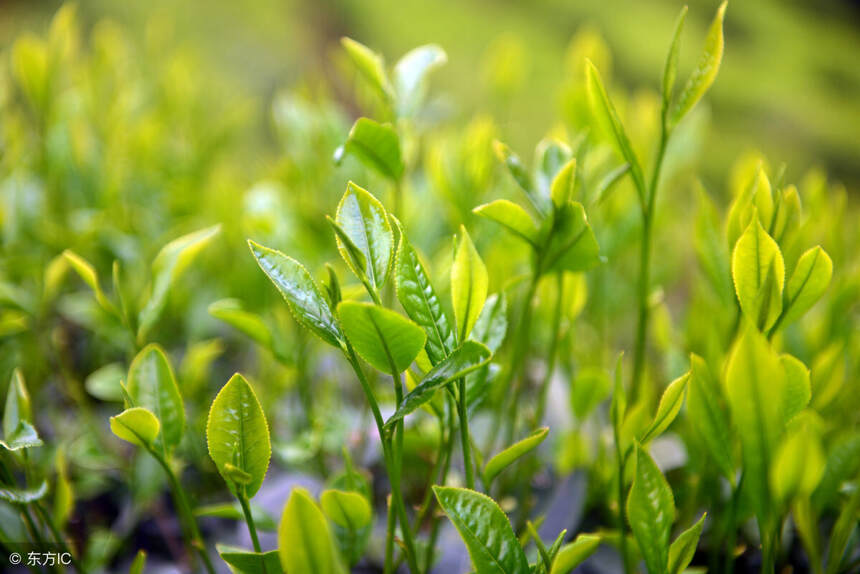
[485,529]
[88,273]
[376,145]
[668,409]
[230,311]
[244,561]
[758,271]
[24,495]
[670,71]
[237,434]
[346,509]
[572,245]
[808,282]
[151,385]
[512,217]
[651,512]
[711,421]
[410,75]
[370,65]
[384,338]
[138,563]
[301,293]
[683,549]
[136,425]
[573,554]
[364,221]
[468,285]
[509,455]
[305,543]
[797,386]
[18,406]
[564,184]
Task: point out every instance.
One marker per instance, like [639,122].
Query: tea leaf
[512,217]
[572,245]
[573,554]
[467,357]
[468,285]
[564,184]
[651,512]
[136,425]
[152,385]
[15,495]
[18,408]
[684,547]
[248,562]
[230,311]
[24,436]
[237,434]
[370,65]
[485,530]
[670,71]
[712,425]
[706,69]
[410,74]
[420,301]
[668,409]
[755,390]
[798,389]
[383,338]
[758,271]
[138,563]
[798,463]
[364,221]
[808,282]
[509,455]
[606,115]
[376,145]
[301,293]
[521,176]
[305,543]
[170,262]
[233,511]
[347,509]
[88,273]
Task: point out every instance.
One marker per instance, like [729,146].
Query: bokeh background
[789,85]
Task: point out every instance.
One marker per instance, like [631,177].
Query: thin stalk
[463,414]
[252,528]
[393,476]
[622,526]
[195,540]
[391,524]
[553,353]
[645,267]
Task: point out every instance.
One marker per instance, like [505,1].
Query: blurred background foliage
[789,85]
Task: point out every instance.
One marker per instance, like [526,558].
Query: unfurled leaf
[572,245]
[492,324]
[668,409]
[370,65]
[383,338]
[305,543]
[509,455]
[151,385]
[301,293]
[467,357]
[512,217]
[590,388]
[364,222]
[104,383]
[670,71]
[606,115]
[788,215]
[170,262]
[706,69]
[755,389]
[808,282]
[758,271]
[651,512]
[233,511]
[136,425]
[346,509]
[683,549]
[238,435]
[375,145]
[564,184]
[521,175]
[798,463]
[248,562]
[231,312]
[24,495]
[410,74]
[573,554]
[24,436]
[485,530]
[64,497]
[711,422]
[420,301]
[797,386]
[468,285]
[18,406]
[87,272]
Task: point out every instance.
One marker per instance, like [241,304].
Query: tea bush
[686,356]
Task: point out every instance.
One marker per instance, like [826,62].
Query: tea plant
[600,319]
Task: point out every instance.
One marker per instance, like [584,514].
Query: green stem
[645,268]
[195,540]
[393,476]
[622,526]
[553,353]
[463,414]
[252,528]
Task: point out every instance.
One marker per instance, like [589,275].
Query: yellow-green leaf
[376,145]
[651,512]
[468,285]
[384,338]
[758,271]
[683,549]
[573,554]
[305,543]
[370,65]
[346,509]
[508,456]
[136,425]
[363,220]
[668,409]
[808,282]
